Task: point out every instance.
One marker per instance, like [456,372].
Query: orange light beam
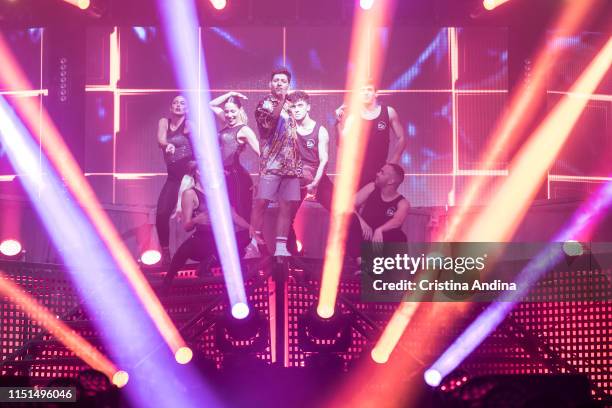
[531,165]
[11,76]
[521,110]
[365,48]
[57,328]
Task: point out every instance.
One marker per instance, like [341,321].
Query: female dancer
[173,138]
[233,138]
[201,244]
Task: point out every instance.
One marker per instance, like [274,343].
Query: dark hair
[296,96]
[399,171]
[176,96]
[281,70]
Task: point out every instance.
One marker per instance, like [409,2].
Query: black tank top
[308,146]
[181,142]
[377,148]
[230,146]
[376,211]
[202,208]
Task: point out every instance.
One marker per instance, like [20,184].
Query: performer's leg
[187,250]
[288,199]
[166,204]
[354,238]
[325,191]
[292,238]
[244,190]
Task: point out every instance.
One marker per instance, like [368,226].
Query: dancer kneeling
[195,217]
[380,211]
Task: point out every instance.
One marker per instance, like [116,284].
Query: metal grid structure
[536,338]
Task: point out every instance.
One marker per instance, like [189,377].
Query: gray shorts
[278,188]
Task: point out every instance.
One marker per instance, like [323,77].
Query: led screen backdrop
[447,105]
[448,85]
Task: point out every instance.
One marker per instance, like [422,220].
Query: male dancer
[380,211]
[280,165]
[379,119]
[313,146]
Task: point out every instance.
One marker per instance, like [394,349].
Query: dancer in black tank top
[173,136]
[313,147]
[200,245]
[380,211]
[233,138]
[379,120]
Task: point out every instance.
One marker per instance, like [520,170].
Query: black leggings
[239,190]
[325,190]
[168,197]
[199,247]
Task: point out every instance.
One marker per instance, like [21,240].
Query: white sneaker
[251,252]
[282,252]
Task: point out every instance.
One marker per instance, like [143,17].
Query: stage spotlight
[246,335]
[317,334]
[433,377]
[493,4]
[378,356]
[573,248]
[218,4]
[120,378]
[11,248]
[240,310]
[82,4]
[150,257]
[299,246]
[366,4]
[183,355]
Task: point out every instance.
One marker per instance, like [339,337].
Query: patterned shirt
[279,150]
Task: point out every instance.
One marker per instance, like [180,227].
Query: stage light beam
[532,162]
[57,328]
[183,38]
[581,222]
[366,56]
[520,112]
[12,77]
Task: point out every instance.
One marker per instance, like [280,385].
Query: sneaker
[282,252]
[251,252]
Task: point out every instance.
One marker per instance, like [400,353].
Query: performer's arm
[401,141]
[362,195]
[323,157]
[246,134]
[266,116]
[162,130]
[398,218]
[216,104]
[340,121]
